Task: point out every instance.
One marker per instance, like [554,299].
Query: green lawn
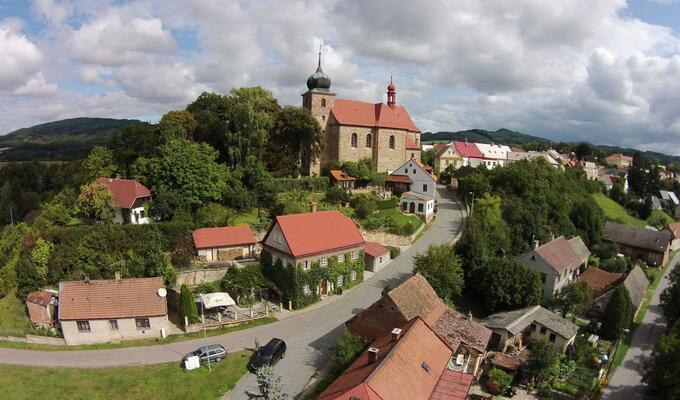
[13,319]
[139,342]
[666,217]
[615,212]
[163,381]
[400,218]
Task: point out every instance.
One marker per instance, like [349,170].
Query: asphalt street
[310,334]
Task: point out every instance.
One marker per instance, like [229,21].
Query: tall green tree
[442,268]
[295,142]
[670,298]
[617,315]
[662,372]
[269,386]
[543,363]
[134,141]
[187,305]
[575,297]
[177,125]
[96,202]
[506,283]
[99,163]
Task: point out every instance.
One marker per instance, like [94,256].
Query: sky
[605,71]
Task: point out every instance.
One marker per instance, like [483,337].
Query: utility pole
[205,335]
[11,216]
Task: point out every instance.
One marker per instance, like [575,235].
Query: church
[354,130]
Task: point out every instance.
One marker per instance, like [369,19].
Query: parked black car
[212,352]
[269,354]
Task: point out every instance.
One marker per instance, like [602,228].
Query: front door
[412,208]
[324,287]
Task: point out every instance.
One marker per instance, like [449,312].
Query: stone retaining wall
[34,339]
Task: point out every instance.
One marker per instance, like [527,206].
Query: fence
[231,316]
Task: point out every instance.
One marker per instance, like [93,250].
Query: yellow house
[445,155]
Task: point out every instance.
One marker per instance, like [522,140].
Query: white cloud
[173,84]
[37,86]
[54,12]
[21,59]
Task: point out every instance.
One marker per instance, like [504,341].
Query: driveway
[310,335]
[626,383]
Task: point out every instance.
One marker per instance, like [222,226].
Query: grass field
[615,212]
[139,342]
[399,218]
[13,319]
[164,381]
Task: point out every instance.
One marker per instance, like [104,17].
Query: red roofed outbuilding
[224,243]
[313,239]
[377,256]
[41,305]
[129,197]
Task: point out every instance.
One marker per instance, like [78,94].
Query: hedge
[388,204]
[310,183]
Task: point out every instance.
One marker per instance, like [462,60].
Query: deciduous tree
[96,202]
[617,315]
[442,268]
[575,297]
[99,163]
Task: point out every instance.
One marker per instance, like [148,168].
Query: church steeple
[391,93]
[319,81]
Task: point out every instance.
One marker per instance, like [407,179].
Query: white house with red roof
[225,243]
[306,240]
[355,130]
[416,186]
[472,156]
[130,198]
[495,155]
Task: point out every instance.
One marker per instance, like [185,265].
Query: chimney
[313,207]
[396,334]
[117,275]
[87,278]
[537,244]
[373,354]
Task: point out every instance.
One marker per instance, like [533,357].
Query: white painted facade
[135,216]
[104,330]
[423,182]
[414,203]
[495,155]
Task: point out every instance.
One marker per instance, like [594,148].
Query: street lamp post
[205,335]
[472,204]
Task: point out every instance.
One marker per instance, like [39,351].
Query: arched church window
[354,140]
[323,118]
[392,142]
[369,140]
[323,102]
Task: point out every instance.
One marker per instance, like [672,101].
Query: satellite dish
[162,292]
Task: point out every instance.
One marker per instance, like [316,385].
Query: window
[533,327]
[543,276]
[323,118]
[353,275]
[424,188]
[305,265]
[142,323]
[113,324]
[380,261]
[354,140]
[83,326]
[305,290]
[406,170]
[341,257]
[544,330]
[369,141]
[355,255]
[341,280]
[552,337]
[414,171]
[323,261]
[413,155]
[323,102]
[392,142]
[420,207]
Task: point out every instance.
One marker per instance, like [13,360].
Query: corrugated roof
[637,237]
[378,115]
[225,236]
[125,191]
[110,299]
[414,195]
[601,281]
[317,232]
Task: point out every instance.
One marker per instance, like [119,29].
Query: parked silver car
[212,352]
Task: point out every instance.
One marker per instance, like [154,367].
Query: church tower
[319,99]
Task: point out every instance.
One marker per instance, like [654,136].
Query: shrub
[214,215]
[363,206]
[617,315]
[347,349]
[187,305]
[310,183]
[497,381]
[394,252]
[388,204]
[374,222]
[336,195]
[616,264]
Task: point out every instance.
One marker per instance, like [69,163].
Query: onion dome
[319,80]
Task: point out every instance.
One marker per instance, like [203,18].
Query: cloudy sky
[606,71]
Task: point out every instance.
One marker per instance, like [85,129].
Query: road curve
[310,335]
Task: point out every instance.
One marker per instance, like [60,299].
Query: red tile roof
[559,254]
[379,115]
[620,157]
[317,232]
[398,179]
[452,385]
[601,281]
[469,150]
[408,368]
[339,175]
[226,236]
[457,328]
[109,299]
[125,191]
[411,144]
[375,249]
[40,297]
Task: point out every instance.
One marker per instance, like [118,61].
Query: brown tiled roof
[559,254]
[601,281]
[457,328]
[619,157]
[642,238]
[224,236]
[109,299]
[675,229]
[398,179]
[40,297]
[506,362]
[452,385]
[125,191]
[409,368]
[340,175]
[375,249]
[317,232]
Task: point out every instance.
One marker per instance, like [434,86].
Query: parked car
[269,354]
[212,352]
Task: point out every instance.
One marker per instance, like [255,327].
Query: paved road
[310,335]
[626,383]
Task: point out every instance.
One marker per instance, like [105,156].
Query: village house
[620,161]
[558,262]
[311,238]
[460,173]
[591,169]
[416,298]
[226,243]
[354,130]
[417,187]
[674,228]
[514,156]
[100,311]
[602,283]
[669,198]
[514,330]
[376,256]
[495,155]
[637,283]
[41,307]
[411,362]
[129,198]
[445,156]
[341,179]
[644,244]
[472,156]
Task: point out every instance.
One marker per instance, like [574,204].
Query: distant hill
[68,139]
[513,138]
